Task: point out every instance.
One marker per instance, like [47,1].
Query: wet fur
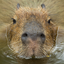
[25,15]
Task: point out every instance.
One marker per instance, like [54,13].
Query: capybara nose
[33,36]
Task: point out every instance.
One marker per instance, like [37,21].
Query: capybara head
[32,33]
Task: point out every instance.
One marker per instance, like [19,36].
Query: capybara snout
[33,37]
[33,30]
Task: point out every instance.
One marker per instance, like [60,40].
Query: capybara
[32,33]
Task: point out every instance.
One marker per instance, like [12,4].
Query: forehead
[27,13]
[31,19]
[33,27]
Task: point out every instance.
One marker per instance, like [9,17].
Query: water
[57,57]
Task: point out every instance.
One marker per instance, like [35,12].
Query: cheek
[49,42]
[48,45]
[15,45]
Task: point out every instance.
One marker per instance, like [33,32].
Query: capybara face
[32,34]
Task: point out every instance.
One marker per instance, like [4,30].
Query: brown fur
[14,32]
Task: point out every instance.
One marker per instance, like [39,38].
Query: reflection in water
[57,57]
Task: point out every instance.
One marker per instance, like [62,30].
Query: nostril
[24,35]
[42,35]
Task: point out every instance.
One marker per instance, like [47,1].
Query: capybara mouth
[33,52]
[31,57]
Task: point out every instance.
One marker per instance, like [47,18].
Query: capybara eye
[49,21]
[14,21]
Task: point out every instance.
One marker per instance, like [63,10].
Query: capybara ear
[18,6]
[43,6]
